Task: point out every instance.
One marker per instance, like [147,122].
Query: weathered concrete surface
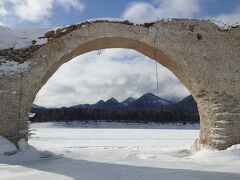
[204,58]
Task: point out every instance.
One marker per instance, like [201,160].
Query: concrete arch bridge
[203,57]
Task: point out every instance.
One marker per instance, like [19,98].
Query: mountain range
[147,101]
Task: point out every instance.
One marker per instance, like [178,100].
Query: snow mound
[199,153]
[234,148]
[6,147]
[18,38]
[197,146]
[31,151]
[223,157]
[23,145]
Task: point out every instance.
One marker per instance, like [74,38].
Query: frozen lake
[118,151]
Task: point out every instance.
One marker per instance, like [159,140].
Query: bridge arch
[186,47]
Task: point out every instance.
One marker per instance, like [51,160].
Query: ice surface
[94,151]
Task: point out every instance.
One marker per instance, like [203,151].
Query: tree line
[116,115]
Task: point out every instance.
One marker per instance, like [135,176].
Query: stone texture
[203,57]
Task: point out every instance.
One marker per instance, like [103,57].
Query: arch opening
[114,42]
[125,73]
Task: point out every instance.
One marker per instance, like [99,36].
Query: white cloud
[118,73]
[68,4]
[143,11]
[229,19]
[34,10]
[3,12]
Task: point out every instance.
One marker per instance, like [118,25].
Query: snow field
[99,151]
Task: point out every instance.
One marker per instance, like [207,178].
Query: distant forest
[116,115]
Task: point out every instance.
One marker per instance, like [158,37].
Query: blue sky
[115,8]
[115,72]
[57,14]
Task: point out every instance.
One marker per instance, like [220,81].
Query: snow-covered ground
[18,38]
[102,151]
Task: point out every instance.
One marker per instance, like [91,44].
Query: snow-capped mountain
[149,101]
[127,101]
[112,104]
[99,105]
[36,108]
[186,104]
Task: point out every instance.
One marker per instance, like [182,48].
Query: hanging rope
[156,67]
[155,58]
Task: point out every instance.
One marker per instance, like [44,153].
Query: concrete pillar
[13,121]
[220,121]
